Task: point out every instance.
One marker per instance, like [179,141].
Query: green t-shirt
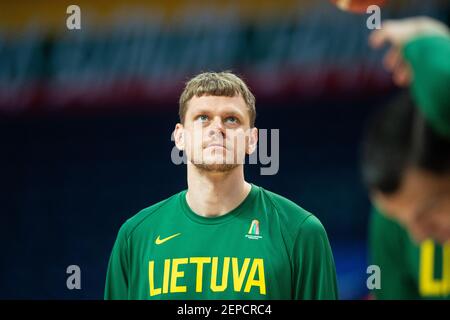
[266,248]
[407,270]
[429,57]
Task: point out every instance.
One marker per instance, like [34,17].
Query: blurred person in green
[406,164]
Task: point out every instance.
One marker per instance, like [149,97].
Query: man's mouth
[216,145]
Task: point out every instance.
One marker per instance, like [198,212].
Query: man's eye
[202,118]
[231,120]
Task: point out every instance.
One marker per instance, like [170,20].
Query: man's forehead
[236,102]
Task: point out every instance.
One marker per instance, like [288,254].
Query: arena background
[86,118]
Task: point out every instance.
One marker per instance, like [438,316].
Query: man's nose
[216,127]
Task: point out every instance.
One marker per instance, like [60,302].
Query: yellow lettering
[247,275]
[166,275]
[238,277]
[151,278]
[226,266]
[177,274]
[446,268]
[257,265]
[428,285]
[199,261]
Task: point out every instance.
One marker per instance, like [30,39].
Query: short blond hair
[225,84]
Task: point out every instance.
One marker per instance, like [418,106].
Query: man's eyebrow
[227,112]
[235,112]
[199,111]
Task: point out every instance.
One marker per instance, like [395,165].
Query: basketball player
[223,237]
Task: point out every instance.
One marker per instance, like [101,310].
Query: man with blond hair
[222,238]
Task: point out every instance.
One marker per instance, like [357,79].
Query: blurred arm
[429,58]
[419,56]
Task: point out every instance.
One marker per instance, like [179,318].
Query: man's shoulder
[385,230]
[299,223]
[133,222]
[293,216]
[284,206]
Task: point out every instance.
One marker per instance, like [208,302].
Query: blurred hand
[397,33]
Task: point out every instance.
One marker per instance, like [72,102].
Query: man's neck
[213,194]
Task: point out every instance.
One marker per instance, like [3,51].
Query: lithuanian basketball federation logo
[253,232]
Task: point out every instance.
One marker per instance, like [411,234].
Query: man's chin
[442,239]
[216,167]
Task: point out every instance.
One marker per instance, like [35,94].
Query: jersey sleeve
[429,58]
[314,268]
[117,277]
[387,251]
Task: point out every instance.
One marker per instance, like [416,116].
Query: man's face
[216,133]
[422,205]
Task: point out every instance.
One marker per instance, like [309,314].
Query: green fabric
[429,57]
[403,264]
[285,254]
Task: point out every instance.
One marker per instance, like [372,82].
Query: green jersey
[407,270]
[266,248]
[429,58]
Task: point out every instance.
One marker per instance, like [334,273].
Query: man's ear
[252,140]
[178,134]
